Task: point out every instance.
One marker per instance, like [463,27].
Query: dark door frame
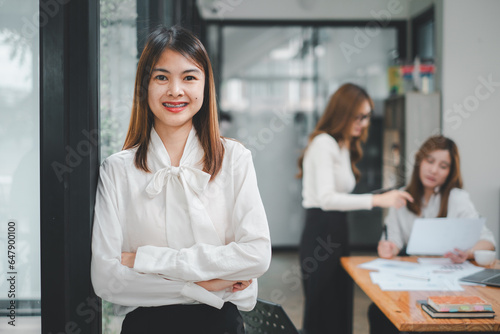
[69,161]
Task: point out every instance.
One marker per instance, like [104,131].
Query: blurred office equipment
[409,120]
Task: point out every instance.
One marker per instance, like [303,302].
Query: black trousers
[184,319]
[328,289]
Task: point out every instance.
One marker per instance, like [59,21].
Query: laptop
[485,276]
[436,236]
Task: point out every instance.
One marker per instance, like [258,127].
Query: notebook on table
[485,276]
[436,236]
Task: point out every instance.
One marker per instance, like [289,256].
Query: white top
[184,228]
[327,177]
[400,221]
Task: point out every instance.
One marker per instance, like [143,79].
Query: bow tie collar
[187,221]
[195,179]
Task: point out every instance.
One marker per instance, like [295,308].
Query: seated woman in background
[435,185]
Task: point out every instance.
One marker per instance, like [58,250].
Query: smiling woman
[190,55]
[175,95]
[179,225]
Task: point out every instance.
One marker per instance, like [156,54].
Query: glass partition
[274,87]
[118,63]
[268,97]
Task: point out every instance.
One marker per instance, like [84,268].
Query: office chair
[268,318]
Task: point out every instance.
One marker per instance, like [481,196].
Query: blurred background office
[276,62]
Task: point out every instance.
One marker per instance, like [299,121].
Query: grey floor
[281,284]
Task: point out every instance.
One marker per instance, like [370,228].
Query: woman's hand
[128,259]
[458,256]
[394,198]
[221,284]
[387,249]
[241,285]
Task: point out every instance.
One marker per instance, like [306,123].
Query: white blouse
[183,228]
[400,221]
[328,179]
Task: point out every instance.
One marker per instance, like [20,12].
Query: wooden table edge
[409,327]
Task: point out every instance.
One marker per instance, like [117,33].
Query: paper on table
[420,286]
[390,281]
[425,267]
[434,260]
[441,274]
[470,283]
[391,265]
[449,270]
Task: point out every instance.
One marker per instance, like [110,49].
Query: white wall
[301,9]
[471,54]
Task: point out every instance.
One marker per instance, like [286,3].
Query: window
[19,168]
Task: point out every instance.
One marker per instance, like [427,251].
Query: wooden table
[402,309]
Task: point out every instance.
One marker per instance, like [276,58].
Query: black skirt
[328,289]
[184,319]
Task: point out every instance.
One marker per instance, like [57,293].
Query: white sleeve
[119,284]
[487,235]
[394,230]
[322,155]
[247,257]
[460,206]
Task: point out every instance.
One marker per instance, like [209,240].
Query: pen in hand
[385,232]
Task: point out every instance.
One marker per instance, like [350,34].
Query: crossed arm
[128,260]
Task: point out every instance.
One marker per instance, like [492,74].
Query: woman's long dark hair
[337,120]
[205,121]
[454,179]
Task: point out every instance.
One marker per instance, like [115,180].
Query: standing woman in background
[180,232]
[329,174]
